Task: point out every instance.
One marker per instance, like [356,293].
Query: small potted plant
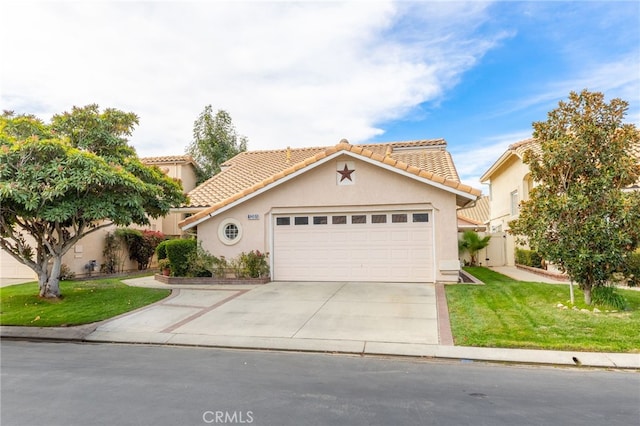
[165,266]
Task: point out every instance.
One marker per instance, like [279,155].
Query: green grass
[514,314]
[83,302]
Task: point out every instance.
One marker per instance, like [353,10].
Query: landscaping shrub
[141,244]
[631,269]
[254,264]
[112,254]
[161,250]
[178,253]
[606,296]
[66,273]
[528,258]
[201,263]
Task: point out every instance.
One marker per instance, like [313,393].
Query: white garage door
[378,246]
[11,268]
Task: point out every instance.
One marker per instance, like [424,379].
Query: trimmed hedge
[178,253]
[528,258]
[161,250]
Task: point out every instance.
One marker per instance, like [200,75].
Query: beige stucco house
[379,212]
[509,181]
[90,248]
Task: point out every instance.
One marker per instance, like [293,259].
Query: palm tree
[472,243]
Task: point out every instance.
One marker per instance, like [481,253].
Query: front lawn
[83,302]
[513,314]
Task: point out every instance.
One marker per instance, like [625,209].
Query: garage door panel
[339,236]
[401,256]
[360,236]
[400,236]
[368,251]
[378,254]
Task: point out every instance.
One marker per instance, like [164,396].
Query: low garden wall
[209,280]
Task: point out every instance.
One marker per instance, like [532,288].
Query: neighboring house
[183,168]
[90,248]
[379,212]
[510,182]
[475,218]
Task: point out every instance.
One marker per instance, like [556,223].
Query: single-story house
[377,212]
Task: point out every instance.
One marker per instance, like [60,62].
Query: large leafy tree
[215,140]
[579,215]
[73,176]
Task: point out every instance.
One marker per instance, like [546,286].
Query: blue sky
[309,74]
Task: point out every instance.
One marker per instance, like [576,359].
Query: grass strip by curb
[83,302]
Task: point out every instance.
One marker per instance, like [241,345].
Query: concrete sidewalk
[523,275]
[462,353]
[320,317]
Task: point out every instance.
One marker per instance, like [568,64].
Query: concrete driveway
[328,316]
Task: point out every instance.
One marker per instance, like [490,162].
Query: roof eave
[499,163]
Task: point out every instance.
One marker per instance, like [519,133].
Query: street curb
[618,361]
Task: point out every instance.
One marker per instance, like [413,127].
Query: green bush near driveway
[505,313]
[83,302]
[528,258]
[178,252]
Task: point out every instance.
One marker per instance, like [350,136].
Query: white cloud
[290,74]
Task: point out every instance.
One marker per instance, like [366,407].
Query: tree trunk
[587,294]
[50,281]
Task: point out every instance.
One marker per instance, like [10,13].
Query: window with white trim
[229,231]
[515,207]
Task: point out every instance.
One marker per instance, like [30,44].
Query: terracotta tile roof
[519,149]
[182,159]
[478,213]
[252,167]
[251,171]
[523,146]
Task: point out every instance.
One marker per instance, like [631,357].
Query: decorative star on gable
[346,173]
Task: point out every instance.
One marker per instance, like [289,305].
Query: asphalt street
[106,384]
